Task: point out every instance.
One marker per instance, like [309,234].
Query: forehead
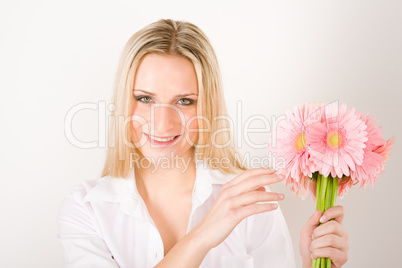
[166,73]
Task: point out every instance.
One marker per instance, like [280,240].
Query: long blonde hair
[177,38]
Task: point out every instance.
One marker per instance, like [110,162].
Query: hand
[329,240]
[236,201]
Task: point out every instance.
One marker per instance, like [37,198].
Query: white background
[272,54]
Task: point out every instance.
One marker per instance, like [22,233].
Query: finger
[311,224]
[330,227]
[336,255]
[261,188]
[248,173]
[255,197]
[330,240]
[336,212]
[246,211]
[251,183]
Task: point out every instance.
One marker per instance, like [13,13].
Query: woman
[172,192]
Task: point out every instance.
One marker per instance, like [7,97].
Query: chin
[165,153]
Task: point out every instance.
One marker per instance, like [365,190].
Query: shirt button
[156,255]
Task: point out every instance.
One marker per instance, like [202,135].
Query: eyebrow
[179,95]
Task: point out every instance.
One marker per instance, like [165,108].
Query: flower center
[334,140]
[300,141]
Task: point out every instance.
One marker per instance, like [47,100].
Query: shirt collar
[124,190]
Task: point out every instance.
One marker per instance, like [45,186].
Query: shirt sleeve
[269,241]
[81,245]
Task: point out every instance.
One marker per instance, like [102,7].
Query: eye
[141,99]
[183,101]
[187,101]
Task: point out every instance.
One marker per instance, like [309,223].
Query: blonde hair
[176,38]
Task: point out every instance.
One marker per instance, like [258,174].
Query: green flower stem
[329,193]
[322,192]
[326,199]
[315,261]
[334,191]
[326,194]
[318,190]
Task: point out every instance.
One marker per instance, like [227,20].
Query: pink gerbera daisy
[367,171]
[344,185]
[384,151]
[291,147]
[337,144]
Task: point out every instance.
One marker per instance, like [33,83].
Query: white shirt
[105,223]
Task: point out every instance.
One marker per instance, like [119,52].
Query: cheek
[192,123]
[194,126]
[136,131]
[139,119]
[141,110]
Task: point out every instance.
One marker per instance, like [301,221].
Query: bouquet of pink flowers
[325,150]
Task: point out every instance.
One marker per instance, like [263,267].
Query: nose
[165,120]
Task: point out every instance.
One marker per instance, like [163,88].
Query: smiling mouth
[162,140]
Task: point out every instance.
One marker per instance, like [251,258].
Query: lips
[163,141]
[159,138]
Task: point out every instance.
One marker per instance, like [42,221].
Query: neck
[159,181]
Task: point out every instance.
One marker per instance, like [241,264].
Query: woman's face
[165,107]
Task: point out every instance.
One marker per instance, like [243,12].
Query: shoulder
[79,203]
[77,193]
[103,189]
[75,207]
[72,208]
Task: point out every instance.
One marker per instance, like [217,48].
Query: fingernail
[322,219]
[311,256]
[311,248]
[280,176]
[312,237]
